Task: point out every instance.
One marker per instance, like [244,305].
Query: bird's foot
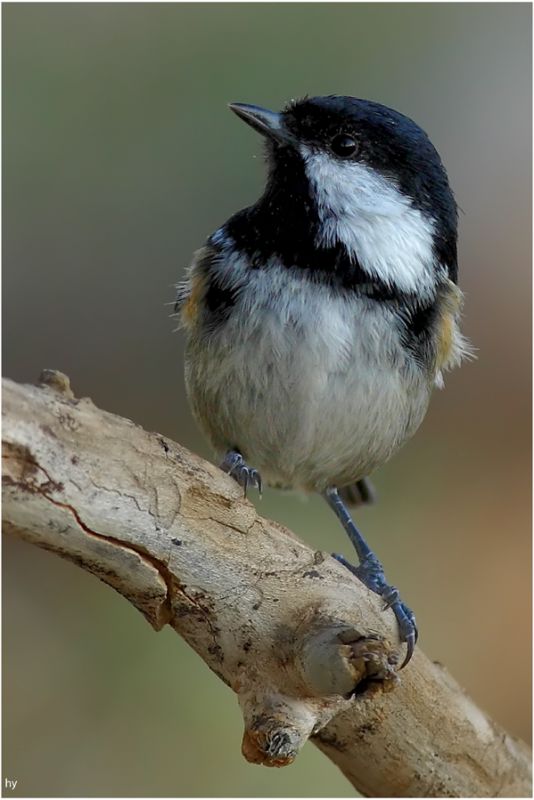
[234,465]
[371,573]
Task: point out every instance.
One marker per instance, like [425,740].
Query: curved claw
[258,482]
[410,647]
[235,466]
[408,628]
[245,479]
[250,477]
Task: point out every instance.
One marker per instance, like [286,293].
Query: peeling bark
[303,644]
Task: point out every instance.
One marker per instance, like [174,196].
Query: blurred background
[119,158]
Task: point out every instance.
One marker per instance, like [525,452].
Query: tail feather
[361,493]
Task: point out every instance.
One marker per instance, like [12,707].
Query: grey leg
[371,572]
[234,464]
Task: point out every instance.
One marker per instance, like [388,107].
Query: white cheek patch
[366,212]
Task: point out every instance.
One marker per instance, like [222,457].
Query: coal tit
[319,319]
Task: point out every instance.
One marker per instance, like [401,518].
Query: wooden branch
[306,648]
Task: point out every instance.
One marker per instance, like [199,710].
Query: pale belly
[319,394]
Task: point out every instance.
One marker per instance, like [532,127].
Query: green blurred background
[119,159]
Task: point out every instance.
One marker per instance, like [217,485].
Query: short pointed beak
[266,122]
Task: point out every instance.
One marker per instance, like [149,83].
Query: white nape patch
[367,213]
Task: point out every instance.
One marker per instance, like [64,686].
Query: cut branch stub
[332,661]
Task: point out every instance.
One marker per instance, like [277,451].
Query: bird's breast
[312,385]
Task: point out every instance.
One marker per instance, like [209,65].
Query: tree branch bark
[304,645]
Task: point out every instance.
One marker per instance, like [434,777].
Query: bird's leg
[234,464]
[371,572]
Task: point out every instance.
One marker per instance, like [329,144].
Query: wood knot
[371,659]
[337,659]
[57,381]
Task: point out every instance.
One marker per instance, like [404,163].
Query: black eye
[343,145]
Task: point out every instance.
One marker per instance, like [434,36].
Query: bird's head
[374,179]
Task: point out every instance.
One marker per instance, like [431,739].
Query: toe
[390,596]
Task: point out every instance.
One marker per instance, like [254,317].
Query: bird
[319,319]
